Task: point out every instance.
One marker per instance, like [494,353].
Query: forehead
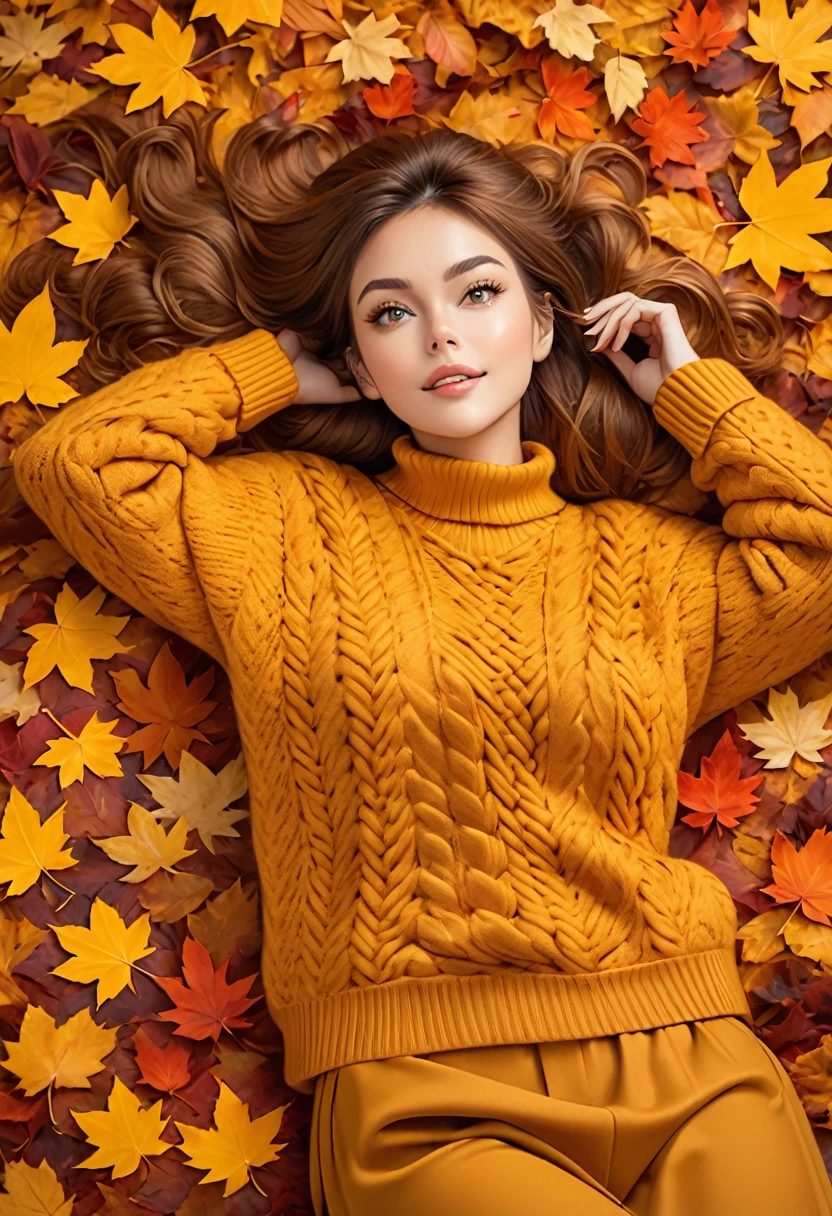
[420,245]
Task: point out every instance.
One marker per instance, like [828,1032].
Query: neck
[497,444]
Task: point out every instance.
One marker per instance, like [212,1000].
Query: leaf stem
[228,46]
[254,1183]
[762,82]
[65,729]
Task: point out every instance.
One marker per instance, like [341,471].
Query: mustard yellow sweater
[462,700]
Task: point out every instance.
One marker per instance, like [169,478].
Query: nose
[440,335]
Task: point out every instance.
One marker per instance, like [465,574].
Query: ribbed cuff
[692,399]
[263,373]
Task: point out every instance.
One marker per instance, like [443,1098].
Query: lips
[451,369]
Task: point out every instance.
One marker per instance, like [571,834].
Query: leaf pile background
[139,1070]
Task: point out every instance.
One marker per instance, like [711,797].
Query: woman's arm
[106,473]
[774,583]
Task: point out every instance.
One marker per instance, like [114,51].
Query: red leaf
[210,1004]
[719,792]
[165,1068]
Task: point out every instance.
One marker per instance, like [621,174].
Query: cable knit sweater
[462,700]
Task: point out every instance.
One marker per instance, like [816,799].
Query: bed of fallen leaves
[139,1070]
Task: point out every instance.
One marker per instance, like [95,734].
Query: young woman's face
[443,309]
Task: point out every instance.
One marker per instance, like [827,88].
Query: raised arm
[774,583]
[108,473]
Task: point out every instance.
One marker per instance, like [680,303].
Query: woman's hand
[318,384]
[658,324]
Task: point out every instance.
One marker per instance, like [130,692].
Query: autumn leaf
[689,225]
[90,17]
[95,749]
[29,363]
[125,1134]
[489,117]
[66,1055]
[808,937]
[393,100]
[791,730]
[738,116]
[780,219]
[208,1005]
[49,99]
[29,848]
[15,701]
[624,84]
[227,923]
[78,635]
[568,28]
[719,794]
[669,126]
[27,43]
[231,14]
[18,938]
[97,223]
[24,219]
[811,1073]
[156,64]
[368,52]
[170,896]
[804,875]
[792,43]
[698,37]
[170,705]
[761,936]
[33,1192]
[165,1068]
[447,41]
[104,952]
[567,95]
[148,848]
[237,1145]
[201,797]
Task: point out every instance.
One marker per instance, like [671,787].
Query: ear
[361,376]
[544,327]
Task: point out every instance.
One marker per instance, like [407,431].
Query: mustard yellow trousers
[695,1119]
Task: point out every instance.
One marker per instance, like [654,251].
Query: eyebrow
[451,273]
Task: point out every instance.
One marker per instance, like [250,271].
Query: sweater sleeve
[106,473]
[773,583]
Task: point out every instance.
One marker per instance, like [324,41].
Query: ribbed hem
[414,1016]
[263,372]
[692,399]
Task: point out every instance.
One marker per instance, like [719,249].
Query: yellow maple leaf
[105,951]
[49,98]
[29,363]
[79,635]
[322,89]
[624,84]
[791,730]
[124,1132]
[515,18]
[489,117]
[200,796]
[688,224]
[811,1073]
[33,1192]
[232,13]
[27,43]
[368,53]
[15,702]
[24,219]
[66,1055]
[762,936]
[780,220]
[156,64]
[28,847]
[738,116]
[568,27]
[237,1144]
[148,848]
[95,748]
[93,19]
[18,938]
[791,43]
[97,223]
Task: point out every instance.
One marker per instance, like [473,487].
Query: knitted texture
[462,700]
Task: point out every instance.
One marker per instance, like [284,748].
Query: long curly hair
[270,237]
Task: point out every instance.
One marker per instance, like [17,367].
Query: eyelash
[488,284]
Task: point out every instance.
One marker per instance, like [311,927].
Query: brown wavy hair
[270,239]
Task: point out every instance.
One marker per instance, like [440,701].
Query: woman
[469,623]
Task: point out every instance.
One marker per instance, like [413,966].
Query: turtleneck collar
[474,491]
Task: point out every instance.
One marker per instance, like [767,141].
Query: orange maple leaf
[210,1004]
[718,793]
[393,100]
[804,875]
[668,127]
[170,706]
[567,96]
[699,37]
[165,1068]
